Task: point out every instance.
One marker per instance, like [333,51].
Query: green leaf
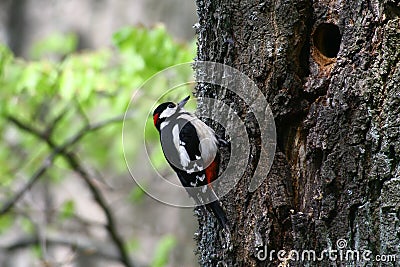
[37,78]
[163,250]
[37,251]
[67,84]
[101,83]
[136,194]
[55,44]
[5,57]
[6,221]
[67,209]
[27,225]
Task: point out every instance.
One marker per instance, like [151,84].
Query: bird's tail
[219,213]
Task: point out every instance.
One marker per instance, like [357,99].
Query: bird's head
[167,110]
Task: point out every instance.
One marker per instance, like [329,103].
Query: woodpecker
[192,150]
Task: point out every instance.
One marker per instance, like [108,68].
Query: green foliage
[136,194]
[27,225]
[84,75]
[6,221]
[61,96]
[156,48]
[163,251]
[67,209]
[89,86]
[55,44]
[37,251]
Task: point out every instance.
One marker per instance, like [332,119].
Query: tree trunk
[330,72]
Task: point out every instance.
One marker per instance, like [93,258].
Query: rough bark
[330,71]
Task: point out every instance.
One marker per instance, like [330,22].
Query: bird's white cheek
[168,112]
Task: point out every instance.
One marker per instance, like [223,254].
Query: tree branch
[84,246]
[57,119]
[49,160]
[98,197]
[73,161]
[35,177]
[74,139]
[82,112]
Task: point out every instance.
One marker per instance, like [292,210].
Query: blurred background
[25,22]
[68,70]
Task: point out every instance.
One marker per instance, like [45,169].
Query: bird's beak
[183,102]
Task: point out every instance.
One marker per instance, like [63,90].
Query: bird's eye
[171,105]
